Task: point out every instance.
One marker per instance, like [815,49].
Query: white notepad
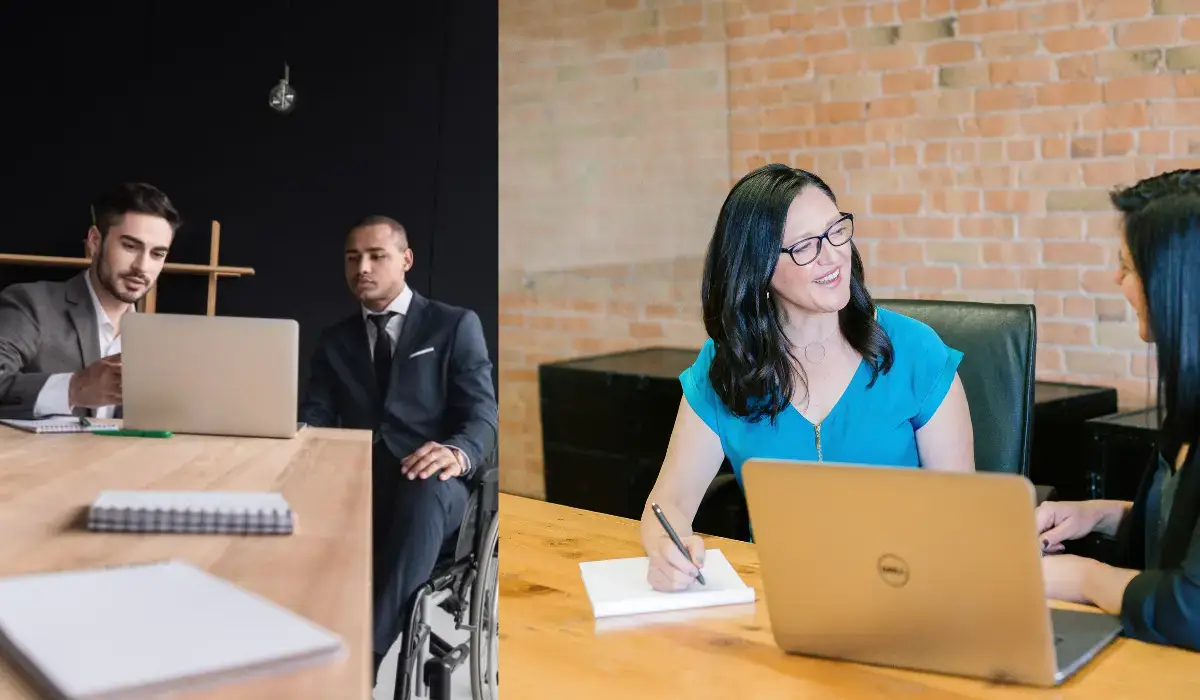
[619,587]
[200,512]
[145,630]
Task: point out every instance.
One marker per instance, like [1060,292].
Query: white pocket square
[420,352]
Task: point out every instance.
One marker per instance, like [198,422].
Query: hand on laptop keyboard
[1061,521]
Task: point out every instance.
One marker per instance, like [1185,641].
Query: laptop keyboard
[1079,635]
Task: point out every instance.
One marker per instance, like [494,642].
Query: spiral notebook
[198,512]
[148,630]
[56,424]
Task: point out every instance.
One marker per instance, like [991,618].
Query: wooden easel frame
[213,270]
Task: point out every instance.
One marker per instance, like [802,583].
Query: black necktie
[383,352]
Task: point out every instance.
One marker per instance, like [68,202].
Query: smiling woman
[800,364]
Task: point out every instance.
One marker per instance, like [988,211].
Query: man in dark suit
[416,372]
[60,342]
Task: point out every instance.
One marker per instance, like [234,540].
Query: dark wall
[395,115]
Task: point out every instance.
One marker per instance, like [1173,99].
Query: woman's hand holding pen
[669,569]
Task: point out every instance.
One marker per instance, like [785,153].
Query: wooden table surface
[321,572]
[551,646]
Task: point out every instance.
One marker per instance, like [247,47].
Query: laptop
[928,571]
[210,375]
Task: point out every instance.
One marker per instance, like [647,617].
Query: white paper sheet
[619,587]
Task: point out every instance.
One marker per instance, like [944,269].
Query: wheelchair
[465,585]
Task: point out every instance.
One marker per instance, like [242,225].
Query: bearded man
[60,342]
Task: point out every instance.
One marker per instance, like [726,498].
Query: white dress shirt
[400,306]
[54,398]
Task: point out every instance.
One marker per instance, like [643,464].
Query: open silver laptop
[907,568]
[210,375]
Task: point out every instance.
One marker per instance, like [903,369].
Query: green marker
[121,432]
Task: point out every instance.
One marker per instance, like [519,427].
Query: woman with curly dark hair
[1155,587]
[800,364]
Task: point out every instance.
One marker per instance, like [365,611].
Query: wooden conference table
[552,647]
[321,572]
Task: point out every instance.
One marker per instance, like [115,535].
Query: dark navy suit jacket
[440,389]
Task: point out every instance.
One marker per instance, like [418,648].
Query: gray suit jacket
[45,328]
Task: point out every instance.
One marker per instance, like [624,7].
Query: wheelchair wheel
[414,649]
[485,626]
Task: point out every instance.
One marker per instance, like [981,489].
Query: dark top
[1158,509]
[1162,539]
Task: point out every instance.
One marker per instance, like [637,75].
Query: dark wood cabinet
[606,422]
[1123,446]
[1119,449]
[1061,440]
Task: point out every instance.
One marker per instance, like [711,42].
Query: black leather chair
[998,342]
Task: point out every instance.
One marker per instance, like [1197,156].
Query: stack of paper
[620,587]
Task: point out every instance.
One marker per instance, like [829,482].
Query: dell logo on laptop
[893,570]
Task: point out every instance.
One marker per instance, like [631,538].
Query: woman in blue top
[800,364]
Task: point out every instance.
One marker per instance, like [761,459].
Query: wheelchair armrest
[486,483]
[489,472]
[486,478]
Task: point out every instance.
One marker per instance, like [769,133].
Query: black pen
[675,538]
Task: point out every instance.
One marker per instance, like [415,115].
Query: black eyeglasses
[805,250]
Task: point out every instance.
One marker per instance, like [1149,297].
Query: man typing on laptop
[416,372]
[60,342]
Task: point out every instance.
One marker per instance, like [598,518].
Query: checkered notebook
[200,512]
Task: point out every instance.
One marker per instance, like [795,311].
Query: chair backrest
[998,342]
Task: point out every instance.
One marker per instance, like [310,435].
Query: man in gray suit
[60,342]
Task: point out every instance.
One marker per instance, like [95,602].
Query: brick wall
[614,131]
[975,141]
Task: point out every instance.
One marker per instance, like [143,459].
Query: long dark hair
[752,370]
[1162,229]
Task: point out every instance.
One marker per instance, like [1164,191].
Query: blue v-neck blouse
[875,426]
